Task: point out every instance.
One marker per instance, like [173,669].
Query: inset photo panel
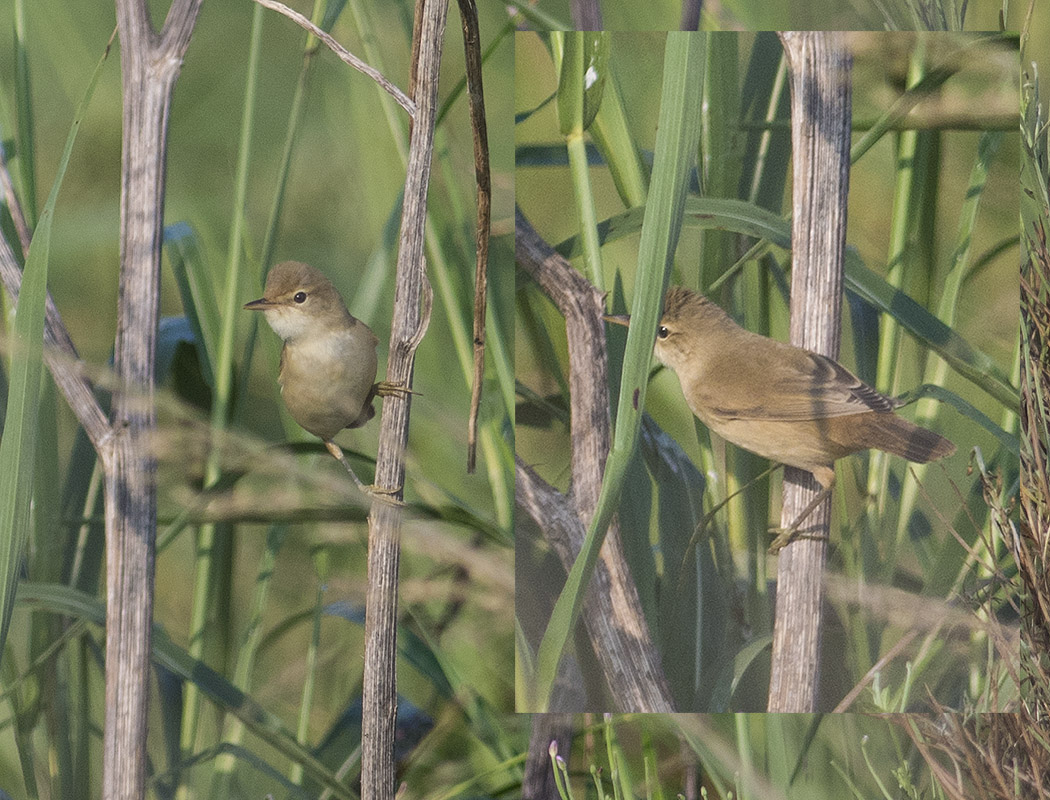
[767,365]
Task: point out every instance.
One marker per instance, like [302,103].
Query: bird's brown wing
[800,385]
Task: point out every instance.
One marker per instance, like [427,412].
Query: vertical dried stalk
[547,729]
[411,315]
[820,116]
[690,20]
[586,15]
[1029,546]
[150,64]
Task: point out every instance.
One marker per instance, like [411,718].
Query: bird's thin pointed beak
[618,319]
[258,305]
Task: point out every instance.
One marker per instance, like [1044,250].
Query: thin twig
[13,206]
[402,99]
[468,12]
[60,355]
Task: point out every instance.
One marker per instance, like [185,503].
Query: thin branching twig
[612,608]
[402,99]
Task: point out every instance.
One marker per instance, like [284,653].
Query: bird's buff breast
[325,382]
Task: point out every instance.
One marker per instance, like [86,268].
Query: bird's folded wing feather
[799,385]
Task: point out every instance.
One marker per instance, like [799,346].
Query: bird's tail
[906,439]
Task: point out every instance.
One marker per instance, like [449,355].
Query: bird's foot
[387,389]
[383,494]
[787,535]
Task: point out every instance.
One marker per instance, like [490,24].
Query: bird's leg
[375,491]
[337,454]
[786,535]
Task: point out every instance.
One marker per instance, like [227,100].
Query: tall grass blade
[615,142]
[197,293]
[24,107]
[957,273]
[234,729]
[212,558]
[676,145]
[332,10]
[18,447]
[582,62]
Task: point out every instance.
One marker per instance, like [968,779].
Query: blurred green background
[786,15]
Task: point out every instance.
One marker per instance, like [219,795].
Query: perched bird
[777,400]
[328,362]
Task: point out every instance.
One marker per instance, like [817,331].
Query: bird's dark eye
[300,297]
[662,332]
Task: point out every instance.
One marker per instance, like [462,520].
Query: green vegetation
[277,592]
[786,15]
